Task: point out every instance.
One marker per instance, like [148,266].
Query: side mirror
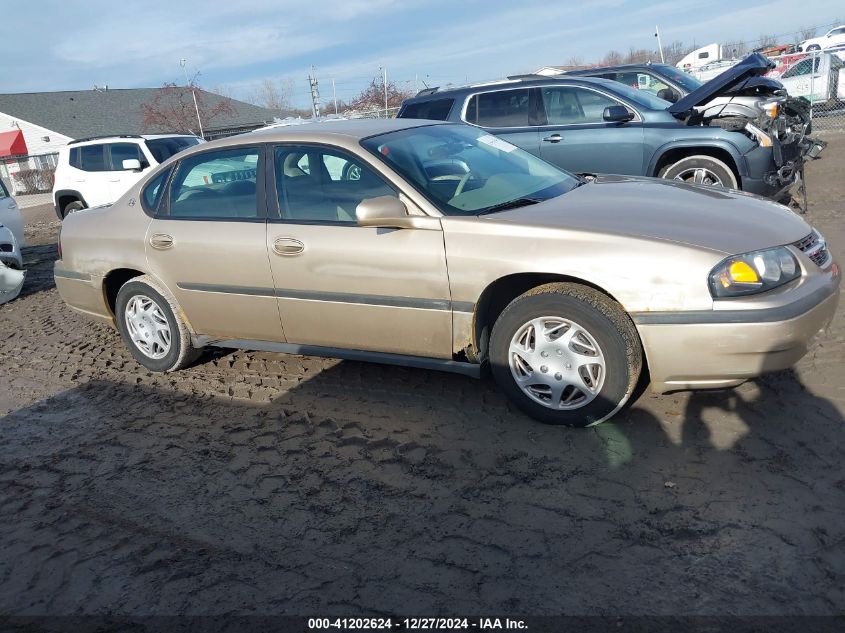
[132,164]
[617,114]
[390,212]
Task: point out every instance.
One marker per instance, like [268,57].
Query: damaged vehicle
[11,241]
[11,266]
[595,125]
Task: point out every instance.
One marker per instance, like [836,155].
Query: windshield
[464,171]
[685,80]
[164,148]
[640,97]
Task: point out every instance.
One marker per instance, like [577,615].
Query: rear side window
[437,110]
[92,158]
[74,160]
[151,196]
[220,185]
[504,108]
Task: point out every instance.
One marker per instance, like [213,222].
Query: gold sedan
[440,246]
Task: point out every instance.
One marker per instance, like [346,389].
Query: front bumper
[775,172]
[724,348]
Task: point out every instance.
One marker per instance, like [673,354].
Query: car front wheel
[73,207]
[149,326]
[701,170]
[566,354]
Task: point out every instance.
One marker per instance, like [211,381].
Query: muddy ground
[258,483]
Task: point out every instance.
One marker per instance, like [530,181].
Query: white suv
[97,171]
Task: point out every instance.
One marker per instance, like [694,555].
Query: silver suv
[98,170]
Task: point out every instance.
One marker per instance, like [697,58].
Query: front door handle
[287,246]
[554,138]
[161,241]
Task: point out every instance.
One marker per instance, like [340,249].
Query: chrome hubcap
[148,327]
[557,363]
[700,176]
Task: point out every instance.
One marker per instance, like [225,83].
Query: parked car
[833,37]
[713,69]
[567,288]
[11,266]
[592,125]
[748,99]
[98,170]
[819,78]
[10,216]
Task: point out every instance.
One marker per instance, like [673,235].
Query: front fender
[692,144]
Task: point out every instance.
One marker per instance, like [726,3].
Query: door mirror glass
[617,114]
[386,211]
[132,164]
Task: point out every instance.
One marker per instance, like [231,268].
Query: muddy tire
[566,354]
[701,169]
[72,207]
[148,321]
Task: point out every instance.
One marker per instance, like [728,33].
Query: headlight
[771,109]
[754,272]
[759,135]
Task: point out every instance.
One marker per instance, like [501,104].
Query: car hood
[752,66]
[722,220]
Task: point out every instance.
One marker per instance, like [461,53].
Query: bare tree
[613,58]
[767,41]
[172,109]
[676,51]
[575,61]
[735,49]
[807,33]
[372,97]
[274,95]
[640,56]
[222,90]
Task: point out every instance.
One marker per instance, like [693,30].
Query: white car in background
[11,242]
[96,171]
[833,37]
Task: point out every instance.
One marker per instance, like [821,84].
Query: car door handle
[161,241]
[287,246]
[554,138]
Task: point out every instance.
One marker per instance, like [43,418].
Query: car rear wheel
[76,205]
[566,354]
[701,170]
[149,326]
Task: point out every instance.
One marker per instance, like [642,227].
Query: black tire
[689,164]
[813,47]
[606,322]
[76,205]
[181,352]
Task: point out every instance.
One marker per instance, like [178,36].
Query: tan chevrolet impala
[439,246]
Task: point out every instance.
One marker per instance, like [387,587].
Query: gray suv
[593,125]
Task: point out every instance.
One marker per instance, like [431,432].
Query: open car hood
[752,66]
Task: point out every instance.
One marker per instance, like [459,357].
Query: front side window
[569,105]
[485,173]
[503,108]
[319,184]
[119,152]
[164,148]
[92,158]
[3,193]
[216,185]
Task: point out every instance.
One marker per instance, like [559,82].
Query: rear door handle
[287,246]
[161,241]
[554,138]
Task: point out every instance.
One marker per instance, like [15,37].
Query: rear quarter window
[436,110]
[503,108]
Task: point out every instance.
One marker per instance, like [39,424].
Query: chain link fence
[29,178]
[819,77]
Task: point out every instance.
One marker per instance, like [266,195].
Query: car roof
[125,138]
[529,81]
[604,69]
[317,132]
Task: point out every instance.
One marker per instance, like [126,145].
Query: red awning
[12,144]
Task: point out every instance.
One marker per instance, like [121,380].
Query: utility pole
[182,63]
[659,45]
[315,93]
[384,78]
[334,97]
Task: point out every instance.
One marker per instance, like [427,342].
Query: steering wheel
[463,182]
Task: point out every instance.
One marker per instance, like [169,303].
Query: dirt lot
[257,483]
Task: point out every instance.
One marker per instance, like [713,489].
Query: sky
[71,45]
